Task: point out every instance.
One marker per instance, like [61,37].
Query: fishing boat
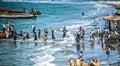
[16,15]
[5,13]
[35,12]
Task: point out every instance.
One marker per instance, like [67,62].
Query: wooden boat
[5,13]
[16,15]
[35,12]
[14,11]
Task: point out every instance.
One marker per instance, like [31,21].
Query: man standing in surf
[39,33]
[35,36]
[92,33]
[53,36]
[64,32]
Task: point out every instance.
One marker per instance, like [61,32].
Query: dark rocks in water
[95,28]
[83,13]
[94,25]
[68,52]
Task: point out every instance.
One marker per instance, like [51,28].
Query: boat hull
[21,15]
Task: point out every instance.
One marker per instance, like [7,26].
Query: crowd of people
[8,32]
[110,38]
[78,62]
[80,34]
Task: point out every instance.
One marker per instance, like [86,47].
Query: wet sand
[111,2]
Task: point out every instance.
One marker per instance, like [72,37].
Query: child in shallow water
[81,56]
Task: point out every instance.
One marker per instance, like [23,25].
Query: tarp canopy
[112,18]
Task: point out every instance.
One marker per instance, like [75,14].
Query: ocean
[55,15]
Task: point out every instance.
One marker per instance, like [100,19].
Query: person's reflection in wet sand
[78,47]
[45,43]
[22,42]
[14,43]
[92,44]
[36,44]
[118,49]
[83,46]
[100,41]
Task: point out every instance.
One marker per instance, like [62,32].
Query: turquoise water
[54,15]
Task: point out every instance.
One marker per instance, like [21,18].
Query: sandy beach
[110,2]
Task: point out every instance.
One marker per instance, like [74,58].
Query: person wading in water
[33,28]
[15,35]
[92,33]
[39,32]
[53,37]
[35,36]
[78,37]
[27,35]
[64,32]
[108,52]
[81,56]
[45,37]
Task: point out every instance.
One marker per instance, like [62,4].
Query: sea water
[54,15]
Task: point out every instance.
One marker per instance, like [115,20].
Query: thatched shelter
[112,21]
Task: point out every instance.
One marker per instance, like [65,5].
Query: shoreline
[114,3]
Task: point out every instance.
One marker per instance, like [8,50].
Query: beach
[57,52]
